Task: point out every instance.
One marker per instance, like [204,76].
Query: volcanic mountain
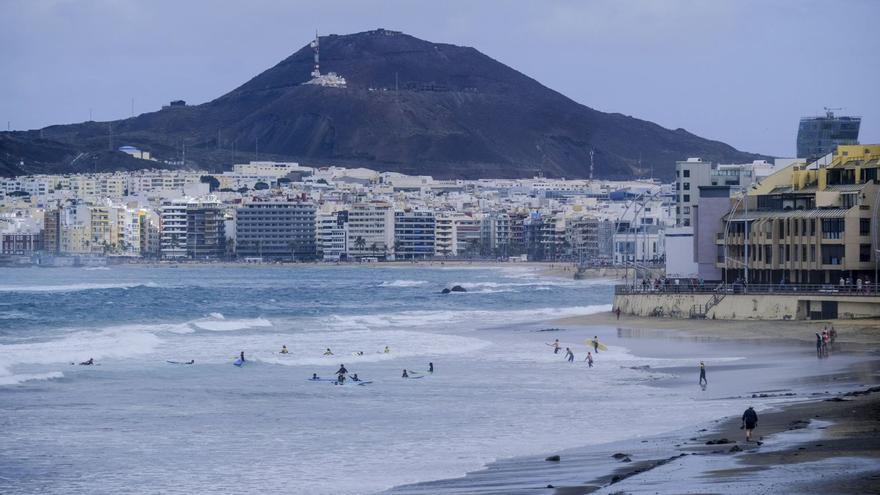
[409,106]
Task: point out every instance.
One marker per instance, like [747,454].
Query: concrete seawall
[749,306]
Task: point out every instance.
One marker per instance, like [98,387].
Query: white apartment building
[370,230]
[172,237]
[445,235]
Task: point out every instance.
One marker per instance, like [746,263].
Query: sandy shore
[813,441]
[850,332]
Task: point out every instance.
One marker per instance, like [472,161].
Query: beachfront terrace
[694,287]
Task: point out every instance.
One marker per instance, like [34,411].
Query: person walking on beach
[749,422]
[818,344]
[589,359]
[569,355]
[825,343]
[595,343]
[703,374]
[618,312]
[832,335]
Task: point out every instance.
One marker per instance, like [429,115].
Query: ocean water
[135,423]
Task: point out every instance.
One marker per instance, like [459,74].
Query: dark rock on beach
[553,458]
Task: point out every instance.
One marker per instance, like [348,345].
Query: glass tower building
[818,136]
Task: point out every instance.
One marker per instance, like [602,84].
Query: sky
[742,72]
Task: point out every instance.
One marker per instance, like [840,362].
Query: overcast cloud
[742,72]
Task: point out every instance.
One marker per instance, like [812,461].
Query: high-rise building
[413,234]
[276,230]
[205,229]
[818,136]
[173,229]
[689,176]
[52,231]
[370,230]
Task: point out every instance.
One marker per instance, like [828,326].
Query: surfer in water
[555,345]
[430,367]
[315,377]
[569,355]
[342,370]
[241,356]
[387,350]
[595,343]
[405,374]
[703,374]
[90,362]
[355,378]
[589,359]
[328,352]
[284,349]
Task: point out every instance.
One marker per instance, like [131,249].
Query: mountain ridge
[411,106]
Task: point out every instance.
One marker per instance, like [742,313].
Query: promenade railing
[787,289]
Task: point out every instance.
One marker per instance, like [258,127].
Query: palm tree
[360,243]
[292,245]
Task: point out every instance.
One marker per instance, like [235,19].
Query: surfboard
[238,362]
[179,362]
[601,346]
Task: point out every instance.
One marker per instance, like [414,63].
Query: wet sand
[816,438]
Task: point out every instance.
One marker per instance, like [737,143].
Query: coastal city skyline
[411,247]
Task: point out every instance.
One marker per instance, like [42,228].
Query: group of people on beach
[825,340]
[569,354]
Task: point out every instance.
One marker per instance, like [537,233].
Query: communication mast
[316,72]
[591,163]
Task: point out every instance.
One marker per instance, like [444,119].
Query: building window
[864,253]
[832,228]
[864,226]
[686,198]
[687,172]
[687,186]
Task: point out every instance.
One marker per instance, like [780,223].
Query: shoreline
[851,333]
[730,467]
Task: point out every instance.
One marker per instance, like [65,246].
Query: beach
[498,404]
[819,424]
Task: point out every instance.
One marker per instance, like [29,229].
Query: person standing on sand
[618,312]
[569,355]
[703,374]
[595,343]
[749,422]
[818,344]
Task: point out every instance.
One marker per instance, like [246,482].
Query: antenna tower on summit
[316,72]
[330,79]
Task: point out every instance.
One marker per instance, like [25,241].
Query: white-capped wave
[111,343]
[463,319]
[223,325]
[403,283]
[73,287]
[10,379]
